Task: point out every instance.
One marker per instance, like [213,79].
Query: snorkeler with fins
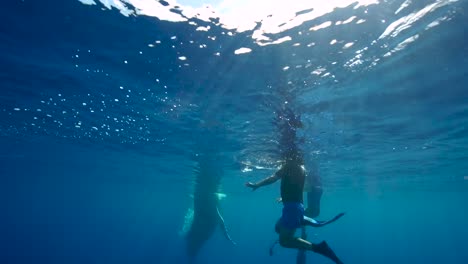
[293,176]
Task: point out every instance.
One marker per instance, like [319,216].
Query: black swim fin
[323,249]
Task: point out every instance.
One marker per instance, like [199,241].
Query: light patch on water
[203,28]
[243,13]
[318,71]
[349,20]
[400,25]
[402,45]
[395,30]
[321,26]
[436,22]
[156,9]
[362,50]
[182,58]
[405,43]
[246,169]
[354,62]
[242,51]
[240,15]
[88,2]
[388,54]
[403,6]
[348,45]
[278,41]
[109,4]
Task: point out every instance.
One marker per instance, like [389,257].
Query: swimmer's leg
[287,240]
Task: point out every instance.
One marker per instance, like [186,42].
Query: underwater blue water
[103,116]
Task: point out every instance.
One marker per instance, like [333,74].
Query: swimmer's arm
[267,181]
[223,227]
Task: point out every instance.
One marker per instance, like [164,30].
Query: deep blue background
[391,140]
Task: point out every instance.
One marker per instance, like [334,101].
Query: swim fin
[323,249]
[317,223]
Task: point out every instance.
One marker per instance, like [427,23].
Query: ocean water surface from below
[107,107]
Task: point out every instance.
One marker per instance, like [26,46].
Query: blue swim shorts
[293,215]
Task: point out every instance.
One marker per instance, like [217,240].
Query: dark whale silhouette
[206,214]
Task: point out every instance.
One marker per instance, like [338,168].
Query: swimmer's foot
[323,249]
